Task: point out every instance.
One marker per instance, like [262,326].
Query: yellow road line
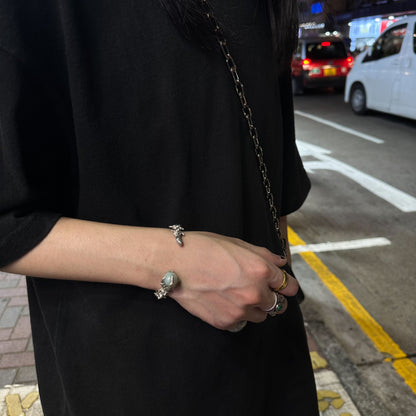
[382,341]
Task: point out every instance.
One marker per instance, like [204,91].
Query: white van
[384,77]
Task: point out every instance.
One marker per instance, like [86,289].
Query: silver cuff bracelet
[178,233]
[169,281]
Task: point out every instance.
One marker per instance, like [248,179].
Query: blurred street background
[360,222]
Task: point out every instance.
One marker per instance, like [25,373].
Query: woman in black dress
[118,119]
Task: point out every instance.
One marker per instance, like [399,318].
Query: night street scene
[352,241]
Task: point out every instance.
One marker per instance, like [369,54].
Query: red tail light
[349,59]
[326,44]
[306,61]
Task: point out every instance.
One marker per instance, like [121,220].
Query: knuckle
[253,298]
[260,270]
[264,251]
[247,296]
[293,289]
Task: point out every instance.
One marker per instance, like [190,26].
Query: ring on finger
[274,304]
[279,307]
[284,283]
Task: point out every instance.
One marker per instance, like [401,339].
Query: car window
[388,44]
[414,39]
[326,50]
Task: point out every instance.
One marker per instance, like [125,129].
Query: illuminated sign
[316,8]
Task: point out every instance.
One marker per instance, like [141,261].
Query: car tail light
[350,61]
[326,44]
[306,61]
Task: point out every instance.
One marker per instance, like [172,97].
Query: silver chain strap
[248,115]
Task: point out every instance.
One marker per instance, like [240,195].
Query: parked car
[321,61]
[384,77]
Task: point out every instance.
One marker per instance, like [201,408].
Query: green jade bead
[169,281]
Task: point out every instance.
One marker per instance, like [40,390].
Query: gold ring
[284,282]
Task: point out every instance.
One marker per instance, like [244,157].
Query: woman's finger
[278,306]
[269,256]
[284,283]
[256,315]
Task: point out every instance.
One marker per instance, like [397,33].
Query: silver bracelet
[178,233]
[169,281]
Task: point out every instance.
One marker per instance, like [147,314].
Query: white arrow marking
[395,197]
[341,245]
[340,127]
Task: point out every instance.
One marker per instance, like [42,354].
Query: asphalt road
[362,170]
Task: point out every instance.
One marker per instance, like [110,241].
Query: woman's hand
[226,280]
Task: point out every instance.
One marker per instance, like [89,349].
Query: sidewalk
[18,390]
[17,364]
[333,400]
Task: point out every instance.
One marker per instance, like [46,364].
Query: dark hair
[189,17]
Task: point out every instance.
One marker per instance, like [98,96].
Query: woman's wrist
[99,252]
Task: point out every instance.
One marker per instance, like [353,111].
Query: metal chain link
[248,115]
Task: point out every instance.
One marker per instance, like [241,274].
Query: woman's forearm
[97,252]
[223,280]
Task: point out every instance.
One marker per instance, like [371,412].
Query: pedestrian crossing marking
[401,200]
[340,127]
[341,245]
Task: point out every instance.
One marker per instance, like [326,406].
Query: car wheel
[358,99]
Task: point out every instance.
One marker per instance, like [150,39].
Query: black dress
[108,114]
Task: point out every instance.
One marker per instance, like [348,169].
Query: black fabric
[108,114]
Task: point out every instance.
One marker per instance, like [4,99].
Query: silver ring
[241,325]
[274,304]
[279,306]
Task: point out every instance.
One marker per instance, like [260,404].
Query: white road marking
[341,245]
[340,127]
[404,202]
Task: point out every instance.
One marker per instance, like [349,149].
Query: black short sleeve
[32,161]
[296,184]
